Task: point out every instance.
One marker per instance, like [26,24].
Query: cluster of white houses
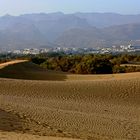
[113,49]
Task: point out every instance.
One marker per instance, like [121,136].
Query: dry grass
[76,106]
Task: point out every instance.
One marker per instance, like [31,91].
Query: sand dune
[87,107]
[2,65]
[22,69]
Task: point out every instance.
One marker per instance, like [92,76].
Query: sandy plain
[40,103]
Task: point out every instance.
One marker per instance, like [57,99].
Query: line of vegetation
[88,64]
[82,64]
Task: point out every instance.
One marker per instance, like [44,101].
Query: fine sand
[18,136]
[92,107]
[11,63]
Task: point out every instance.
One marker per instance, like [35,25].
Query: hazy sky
[16,7]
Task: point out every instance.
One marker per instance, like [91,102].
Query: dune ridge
[104,107]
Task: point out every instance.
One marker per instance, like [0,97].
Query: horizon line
[8,14]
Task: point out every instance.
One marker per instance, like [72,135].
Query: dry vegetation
[77,106]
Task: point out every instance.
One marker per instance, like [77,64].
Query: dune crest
[2,65]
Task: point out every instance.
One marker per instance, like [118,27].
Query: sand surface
[97,107]
[19,136]
[2,65]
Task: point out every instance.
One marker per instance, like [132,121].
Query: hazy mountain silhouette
[95,37]
[68,30]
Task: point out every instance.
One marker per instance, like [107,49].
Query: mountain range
[68,30]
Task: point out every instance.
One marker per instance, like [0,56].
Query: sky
[17,7]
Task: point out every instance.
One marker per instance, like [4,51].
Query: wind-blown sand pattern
[87,107]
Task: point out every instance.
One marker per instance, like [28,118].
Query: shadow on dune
[30,71]
[10,122]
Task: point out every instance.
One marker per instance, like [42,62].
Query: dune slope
[22,69]
[106,107]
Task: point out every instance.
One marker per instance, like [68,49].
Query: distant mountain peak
[7,16]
